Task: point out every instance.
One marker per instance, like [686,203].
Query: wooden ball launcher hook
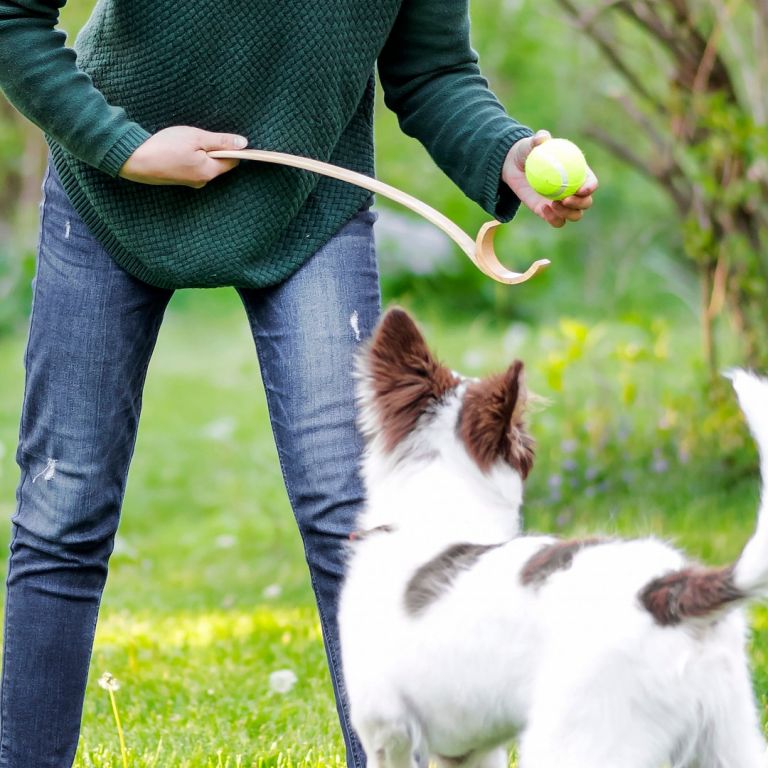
[480,250]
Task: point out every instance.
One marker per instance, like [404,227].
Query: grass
[208,593]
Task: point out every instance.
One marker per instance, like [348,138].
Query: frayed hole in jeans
[48,472]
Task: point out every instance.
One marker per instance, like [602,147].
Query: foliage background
[208,593]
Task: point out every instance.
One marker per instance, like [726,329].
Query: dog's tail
[702,593]
[750,574]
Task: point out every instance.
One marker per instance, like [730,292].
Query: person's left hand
[554,212]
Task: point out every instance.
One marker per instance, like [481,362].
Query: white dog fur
[595,654]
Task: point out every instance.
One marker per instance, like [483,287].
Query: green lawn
[208,593]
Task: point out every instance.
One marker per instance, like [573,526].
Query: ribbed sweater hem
[98,229]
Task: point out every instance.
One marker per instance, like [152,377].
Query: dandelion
[226,541]
[282,681]
[272,591]
[220,430]
[109,683]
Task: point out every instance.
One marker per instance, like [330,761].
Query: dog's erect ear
[491,422]
[401,379]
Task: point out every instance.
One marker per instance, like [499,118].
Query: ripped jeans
[93,329]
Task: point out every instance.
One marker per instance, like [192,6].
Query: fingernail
[241,142]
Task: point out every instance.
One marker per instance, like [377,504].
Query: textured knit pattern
[294,76]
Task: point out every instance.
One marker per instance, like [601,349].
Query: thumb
[210,141]
[522,148]
[540,137]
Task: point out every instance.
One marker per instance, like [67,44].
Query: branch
[610,51]
[632,109]
[668,175]
[647,18]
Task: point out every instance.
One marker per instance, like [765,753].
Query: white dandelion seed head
[272,591]
[108,682]
[282,681]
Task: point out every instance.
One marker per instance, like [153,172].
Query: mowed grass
[208,593]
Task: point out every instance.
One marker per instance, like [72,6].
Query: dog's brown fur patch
[552,558]
[405,377]
[435,577]
[689,593]
[491,422]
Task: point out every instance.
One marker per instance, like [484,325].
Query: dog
[459,633]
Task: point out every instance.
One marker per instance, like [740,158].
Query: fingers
[179,155]
[589,186]
[213,167]
[567,214]
[558,213]
[572,208]
[210,141]
[548,212]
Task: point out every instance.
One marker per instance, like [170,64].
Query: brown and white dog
[459,633]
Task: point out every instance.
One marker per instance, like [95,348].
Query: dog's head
[413,406]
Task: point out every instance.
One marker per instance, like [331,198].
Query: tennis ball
[556,168]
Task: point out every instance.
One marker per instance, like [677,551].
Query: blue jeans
[93,329]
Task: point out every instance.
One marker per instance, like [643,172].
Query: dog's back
[457,632]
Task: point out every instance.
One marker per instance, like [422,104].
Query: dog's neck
[431,490]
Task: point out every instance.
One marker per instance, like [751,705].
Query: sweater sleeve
[40,77]
[432,81]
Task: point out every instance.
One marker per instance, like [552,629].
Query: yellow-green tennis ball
[555,169]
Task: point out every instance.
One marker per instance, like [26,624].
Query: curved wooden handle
[480,250]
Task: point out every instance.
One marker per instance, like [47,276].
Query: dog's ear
[491,422]
[400,378]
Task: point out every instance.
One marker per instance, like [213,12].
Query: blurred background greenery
[666,97]
[661,287]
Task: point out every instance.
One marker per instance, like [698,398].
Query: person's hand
[554,212]
[179,155]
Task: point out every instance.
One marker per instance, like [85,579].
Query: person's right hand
[179,155]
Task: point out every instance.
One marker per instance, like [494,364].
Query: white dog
[459,633]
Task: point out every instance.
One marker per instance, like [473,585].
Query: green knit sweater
[293,76]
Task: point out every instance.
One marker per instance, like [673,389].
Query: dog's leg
[391,744]
[732,737]
[494,758]
[555,741]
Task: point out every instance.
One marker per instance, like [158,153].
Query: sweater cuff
[500,201]
[122,149]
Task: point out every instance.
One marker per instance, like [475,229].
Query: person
[134,207]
